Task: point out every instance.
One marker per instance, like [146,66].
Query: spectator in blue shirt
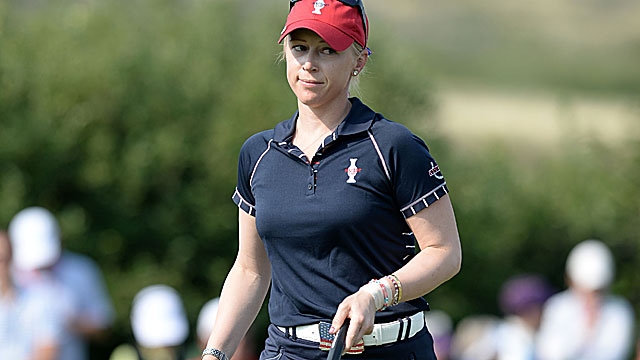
[76,282]
[587,321]
[29,323]
[332,203]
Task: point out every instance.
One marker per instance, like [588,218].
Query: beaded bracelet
[396,288]
[399,284]
[384,294]
[380,291]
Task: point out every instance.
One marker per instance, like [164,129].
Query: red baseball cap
[337,23]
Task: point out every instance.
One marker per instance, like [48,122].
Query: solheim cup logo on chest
[352,171]
[318,5]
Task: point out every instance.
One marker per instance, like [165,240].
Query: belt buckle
[326,340]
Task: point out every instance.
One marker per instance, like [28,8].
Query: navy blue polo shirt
[332,223]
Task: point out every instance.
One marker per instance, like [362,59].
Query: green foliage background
[125,119]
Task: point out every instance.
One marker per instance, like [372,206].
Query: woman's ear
[361,61]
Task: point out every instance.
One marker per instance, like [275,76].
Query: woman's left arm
[439,259]
[440,255]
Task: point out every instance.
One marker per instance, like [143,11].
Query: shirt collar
[358,119]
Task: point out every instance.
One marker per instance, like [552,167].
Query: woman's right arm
[244,289]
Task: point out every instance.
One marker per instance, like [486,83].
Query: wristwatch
[215,352]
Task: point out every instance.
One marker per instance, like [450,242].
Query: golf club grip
[335,353]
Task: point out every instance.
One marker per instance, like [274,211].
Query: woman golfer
[332,202]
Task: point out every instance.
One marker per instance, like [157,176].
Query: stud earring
[355,72]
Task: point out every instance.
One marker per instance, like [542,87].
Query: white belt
[385,333]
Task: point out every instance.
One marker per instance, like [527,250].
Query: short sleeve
[415,175]
[243,196]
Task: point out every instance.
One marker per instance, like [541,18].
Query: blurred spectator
[441,328]
[521,299]
[585,321]
[475,338]
[206,319]
[28,326]
[77,280]
[160,326]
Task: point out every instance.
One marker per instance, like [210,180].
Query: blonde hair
[354,84]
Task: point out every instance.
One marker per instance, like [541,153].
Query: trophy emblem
[318,5]
[352,171]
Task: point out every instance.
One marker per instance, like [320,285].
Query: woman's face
[317,74]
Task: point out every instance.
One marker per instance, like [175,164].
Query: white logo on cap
[318,5]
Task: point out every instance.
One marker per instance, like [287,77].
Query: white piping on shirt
[258,162]
[375,145]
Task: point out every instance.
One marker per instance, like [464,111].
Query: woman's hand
[360,308]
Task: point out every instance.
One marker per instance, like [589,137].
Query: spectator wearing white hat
[76,280]
[28,328]
[206,320]
[586,321]
[160,326]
